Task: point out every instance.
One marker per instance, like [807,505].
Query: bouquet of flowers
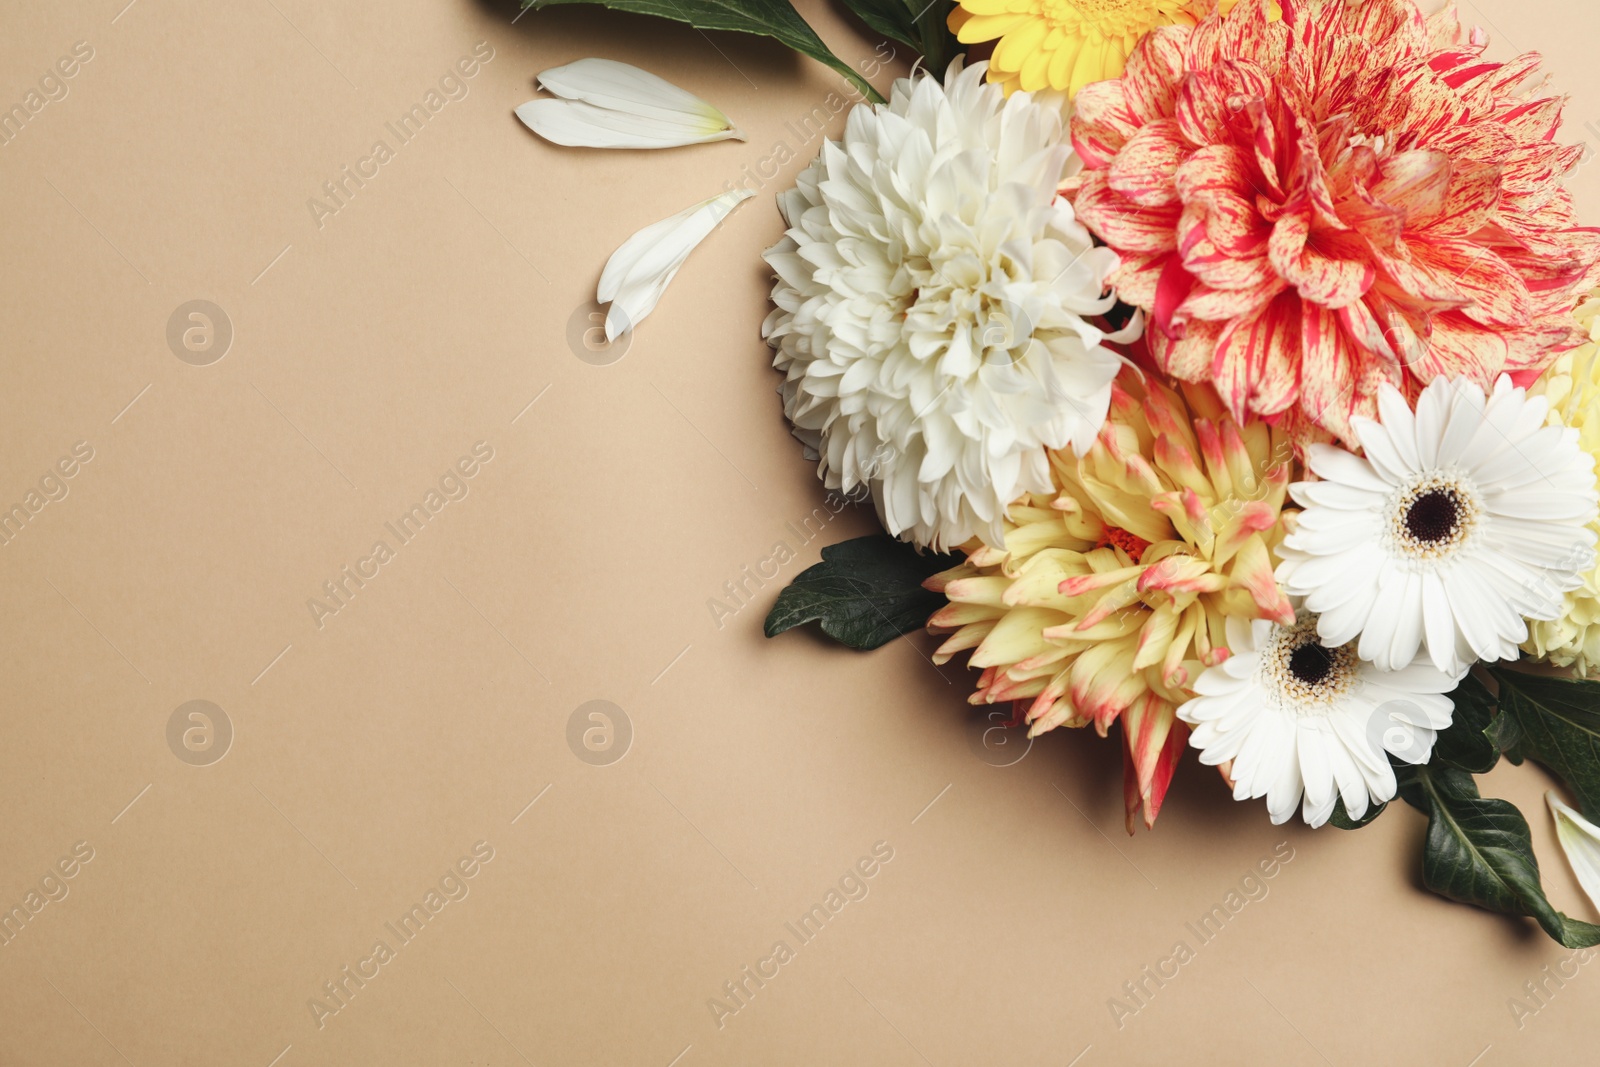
[1224,374]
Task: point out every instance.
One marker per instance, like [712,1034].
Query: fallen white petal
[606,104]
[1580,840]
[638,272]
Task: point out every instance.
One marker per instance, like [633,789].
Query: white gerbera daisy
[1463,520]
[1296,718]
[932,295]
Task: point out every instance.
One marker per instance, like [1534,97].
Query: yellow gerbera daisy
[1061,44]
[1066,44]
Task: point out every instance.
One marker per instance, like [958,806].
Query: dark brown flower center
[1311,663]
[1434,517]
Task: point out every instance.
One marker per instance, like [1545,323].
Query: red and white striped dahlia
[1346,197]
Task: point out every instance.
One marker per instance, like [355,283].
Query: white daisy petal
[1484,522]
[639,271]
[1314,725]
[1326,461]
[1395,415]
[1438,624]
[1378,635]
[1466,416]
[1433,413]
[606,104]
[1341,623]
[1408,623]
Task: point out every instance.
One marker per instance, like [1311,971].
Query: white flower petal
[1326,461]
[606,104]
[933,302]
[638,272]
[1400,423]
[1580,843]
[1481,522]
[1306,739]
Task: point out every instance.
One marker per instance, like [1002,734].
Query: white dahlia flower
[932,302]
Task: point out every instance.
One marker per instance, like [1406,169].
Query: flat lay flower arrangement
[1224,375]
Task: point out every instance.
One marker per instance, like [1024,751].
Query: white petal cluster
[1305,725]
[601,103]
[932,305]
[1465,519]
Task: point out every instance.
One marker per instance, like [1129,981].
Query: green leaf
[1467,743]
[865,592]
[1479,851]
[767,18]
[1558,723]
[922,25]
[1504,732]
[1343,821]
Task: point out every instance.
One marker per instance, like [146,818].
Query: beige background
[371,754]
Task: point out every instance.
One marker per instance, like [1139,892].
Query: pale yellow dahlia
[1572,385]
[1111,595]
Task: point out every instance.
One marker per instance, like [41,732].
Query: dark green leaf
[1504,733]
[865,592]
[1466,743]
[1343,821]
[767,18]
[1558,724]
[888,17]
[922,25]
[1479,851]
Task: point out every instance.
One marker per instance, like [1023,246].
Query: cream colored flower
[934,305]
[1112,592]
[1572,385]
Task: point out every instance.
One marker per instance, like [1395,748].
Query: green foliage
[767,18]
[865,592]
[1343,821]
[921,25]
[1558,724]
[1479,851]
[1467,744]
